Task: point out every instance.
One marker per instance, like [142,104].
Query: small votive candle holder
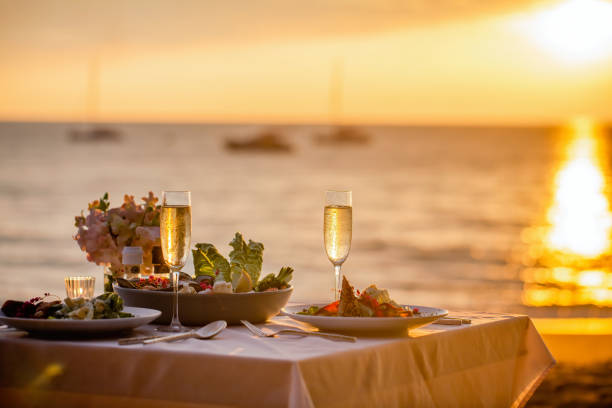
[80,286]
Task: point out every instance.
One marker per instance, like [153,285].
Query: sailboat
[89,131]
[339,134]
[269,140]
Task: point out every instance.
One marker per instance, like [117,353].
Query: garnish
[106,306]
[280,281]
[243,259]
[152,282]
[372,302]
[37,307]
[205,285]
[208,261]
[246,257]
[215,274]
[242,270]
[242,282]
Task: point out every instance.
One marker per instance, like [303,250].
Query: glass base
[173,328]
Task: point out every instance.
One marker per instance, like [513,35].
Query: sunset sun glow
[472,64]
[574,30]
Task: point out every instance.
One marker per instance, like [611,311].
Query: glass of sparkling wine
[338,230]
[175,234]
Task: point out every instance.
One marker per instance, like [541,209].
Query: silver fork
[269,333]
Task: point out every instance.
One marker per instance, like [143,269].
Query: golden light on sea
[569,259]
[580,216]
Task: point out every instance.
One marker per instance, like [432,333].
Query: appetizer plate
[426,316]
[97,326]
[199,309]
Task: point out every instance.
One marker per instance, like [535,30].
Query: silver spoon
[206,332]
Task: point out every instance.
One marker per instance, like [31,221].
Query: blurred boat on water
[94,134]
[264,141]
[343,135]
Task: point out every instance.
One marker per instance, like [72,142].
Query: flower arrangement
[104,231]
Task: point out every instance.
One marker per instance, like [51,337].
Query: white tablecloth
[497,361]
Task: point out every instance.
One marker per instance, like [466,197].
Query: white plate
[141,316]
[367,324]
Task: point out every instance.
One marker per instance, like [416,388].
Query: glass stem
[338,281]
[175,318]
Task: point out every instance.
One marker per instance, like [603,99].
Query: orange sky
[452,62]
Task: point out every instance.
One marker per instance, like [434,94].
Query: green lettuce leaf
[246,257]
[280,281]
[208,261]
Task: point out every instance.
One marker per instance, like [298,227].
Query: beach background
[464,218]
[484,182]
[445,216]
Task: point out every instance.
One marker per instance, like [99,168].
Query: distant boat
[343,135]
[88,132]
[94,134]
[265,141]
[339,134]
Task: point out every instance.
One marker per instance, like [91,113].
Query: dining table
[497,360]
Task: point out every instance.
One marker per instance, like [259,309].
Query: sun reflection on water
[568,259]
[580,217]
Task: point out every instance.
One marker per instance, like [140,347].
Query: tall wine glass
[175,234]
[338,230]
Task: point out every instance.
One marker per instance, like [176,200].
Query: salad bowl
[199,309]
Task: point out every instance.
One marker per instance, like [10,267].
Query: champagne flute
[175,234]
[338,230]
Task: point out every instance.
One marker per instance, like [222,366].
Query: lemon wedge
[245,283]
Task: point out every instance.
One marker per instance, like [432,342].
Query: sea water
[440,214]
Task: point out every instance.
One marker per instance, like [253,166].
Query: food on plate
[106,306]
[349,304]
[208,261]
[150,283]
[165,285]
[243,257]
[272,282]
[216,274]
[222,286]
[244,283]
[372,302]
[37,307]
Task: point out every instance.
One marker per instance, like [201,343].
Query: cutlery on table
[206,332]
[136,340]
[269,333]
[453,321]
